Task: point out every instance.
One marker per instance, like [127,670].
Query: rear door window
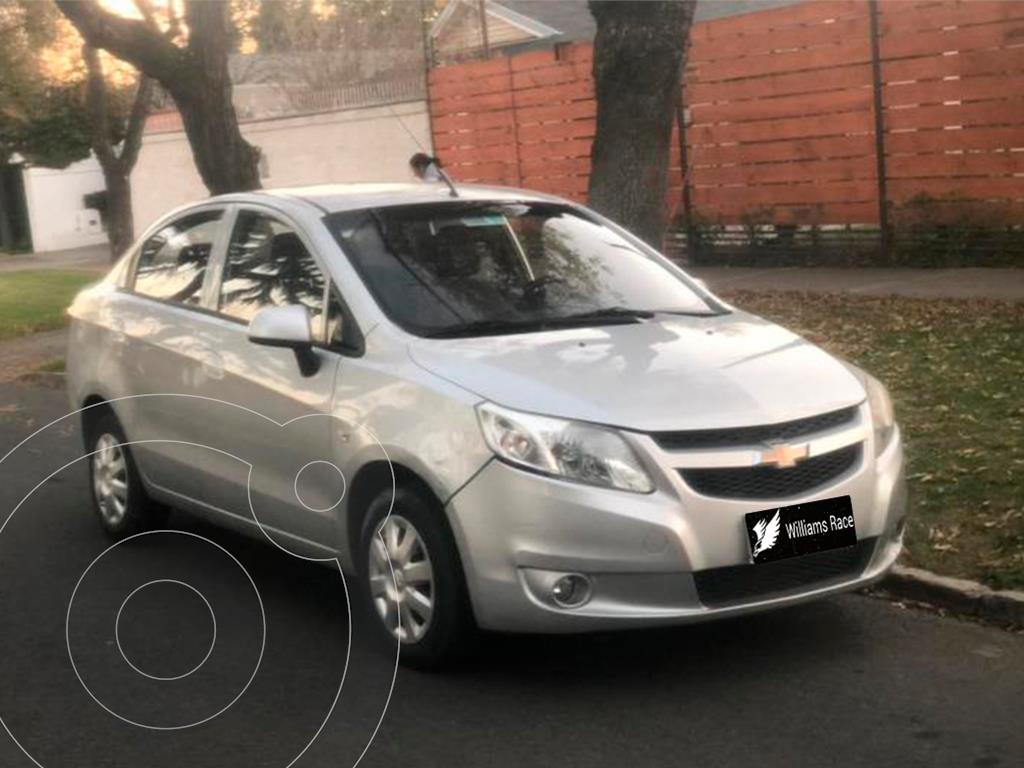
[268,265]
[172,264]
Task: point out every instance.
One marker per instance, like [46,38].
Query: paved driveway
[849,681]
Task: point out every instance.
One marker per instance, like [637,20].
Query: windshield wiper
[691,313]
[611,313]
[528,325]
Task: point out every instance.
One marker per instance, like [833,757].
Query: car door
[278,418]
[159,360]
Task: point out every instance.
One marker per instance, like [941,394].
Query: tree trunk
[195,75]
[639,55]
[120,225]
[6,236]
[226,161]
[117,166]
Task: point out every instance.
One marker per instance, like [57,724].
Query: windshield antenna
[452,191]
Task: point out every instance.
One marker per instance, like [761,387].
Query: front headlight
[883,418]
[569,449]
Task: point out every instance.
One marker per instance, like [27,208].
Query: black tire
[451,632]
[140,513]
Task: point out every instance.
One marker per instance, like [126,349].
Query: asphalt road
[849,681]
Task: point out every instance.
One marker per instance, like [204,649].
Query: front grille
[718,587]
[786,431]
[766,481]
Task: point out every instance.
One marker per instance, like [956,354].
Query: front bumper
[517,532]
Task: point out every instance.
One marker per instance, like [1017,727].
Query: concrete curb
[960,596]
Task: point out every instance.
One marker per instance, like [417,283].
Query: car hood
[669,373]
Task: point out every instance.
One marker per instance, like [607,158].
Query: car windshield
[472,269]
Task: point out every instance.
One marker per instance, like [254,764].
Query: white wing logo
[767,533]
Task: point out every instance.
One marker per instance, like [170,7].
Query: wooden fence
[842,112]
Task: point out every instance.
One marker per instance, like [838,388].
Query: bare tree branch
[196,76]
[132,40]
[136,124]
[145,8]
[99,113]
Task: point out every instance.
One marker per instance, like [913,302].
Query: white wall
[368,144]
[54,198]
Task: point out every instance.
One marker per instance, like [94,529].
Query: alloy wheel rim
[402,579]
[110,479]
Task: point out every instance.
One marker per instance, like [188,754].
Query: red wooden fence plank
[478,103]
[939,91]
[569,130]
[556,166]
[1003,61]
[1007,187]
[948,165]
[470,70]
[955,140]
[790,128]
[542,150]
[811,213]
[778,40]
[784,84]
[774,151]
[486,138]
[505,153]
[777,18]
[464,88]
[580,90]
[982,113]
[850,52]
[996,35]
[785,106]
[900,18]
[474,122]
[848,169]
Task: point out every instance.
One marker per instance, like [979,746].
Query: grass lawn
[34,300]
[956,372]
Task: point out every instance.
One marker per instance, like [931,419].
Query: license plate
[801,529]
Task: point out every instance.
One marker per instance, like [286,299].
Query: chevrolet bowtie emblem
[783,455]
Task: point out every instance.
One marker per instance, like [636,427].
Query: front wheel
[412,580]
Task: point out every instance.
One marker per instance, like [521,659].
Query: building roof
[571,19]
[556,21]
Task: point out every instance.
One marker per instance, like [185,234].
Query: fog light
[571,591]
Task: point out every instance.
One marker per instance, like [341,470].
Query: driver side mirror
[286,326]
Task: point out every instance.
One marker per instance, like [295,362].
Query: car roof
[332,198]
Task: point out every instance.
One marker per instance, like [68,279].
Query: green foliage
[956,232]
[43,121]
[926,232]
[284,26]
[757,242]
[54,134]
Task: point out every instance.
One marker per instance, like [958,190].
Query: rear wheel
[412,580]
[118,496]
